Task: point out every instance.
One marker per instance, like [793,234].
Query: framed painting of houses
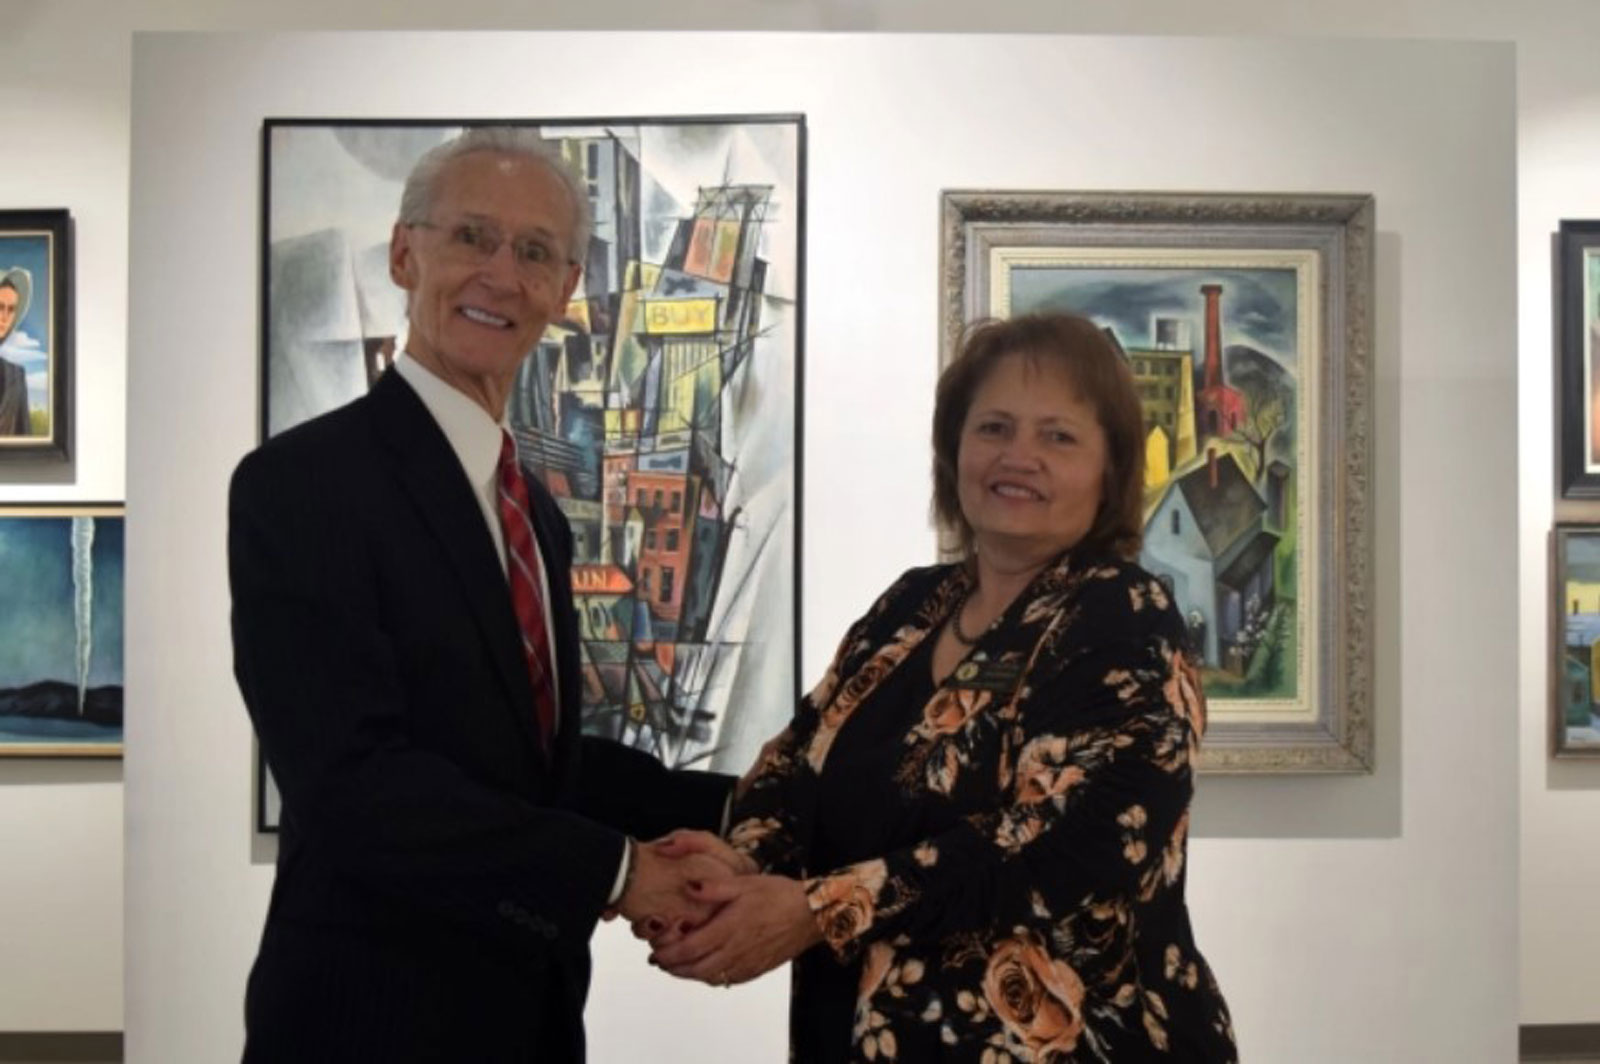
[61,630]
[35,335]
[1247,323]
[1575,640]
[662,410]
[1578,326]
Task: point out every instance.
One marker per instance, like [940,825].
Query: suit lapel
[432,478]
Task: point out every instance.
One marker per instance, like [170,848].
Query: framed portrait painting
[1246,321]
[35,334]
[1578,327]
[1575,639]
[61,661]
[661,411]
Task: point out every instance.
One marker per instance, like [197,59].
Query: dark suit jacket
[13,400]
[439,874]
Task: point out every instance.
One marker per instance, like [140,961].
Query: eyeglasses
[475,243]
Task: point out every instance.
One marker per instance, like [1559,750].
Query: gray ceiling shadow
[49,771]
[1345,806]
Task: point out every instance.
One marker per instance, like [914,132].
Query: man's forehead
[515,181]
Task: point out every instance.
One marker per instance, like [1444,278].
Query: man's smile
[483,317]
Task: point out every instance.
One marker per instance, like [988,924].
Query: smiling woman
[972,837]
[1067,376]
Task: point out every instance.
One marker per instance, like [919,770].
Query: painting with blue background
[48,638]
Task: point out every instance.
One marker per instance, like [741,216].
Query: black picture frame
[62,574]
[719,262]
[1574,640]
[1577,328]
[36,351]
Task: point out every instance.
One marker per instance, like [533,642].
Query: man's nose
[501,265]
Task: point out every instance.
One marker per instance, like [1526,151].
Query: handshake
[707,913]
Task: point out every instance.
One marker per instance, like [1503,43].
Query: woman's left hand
[764,921]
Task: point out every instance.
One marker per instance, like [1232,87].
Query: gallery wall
[61,821]
[1304,890]
[61,882]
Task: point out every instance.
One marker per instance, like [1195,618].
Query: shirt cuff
[623,867]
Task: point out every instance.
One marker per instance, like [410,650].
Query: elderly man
[405,642]
[16,285]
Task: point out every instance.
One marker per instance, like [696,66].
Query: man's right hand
[658,895]
[681,844]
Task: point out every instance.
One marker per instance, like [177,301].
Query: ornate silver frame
[1338,230]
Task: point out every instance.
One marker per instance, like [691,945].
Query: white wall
[61,821]
[1317,900]
[1558,177]
[69,61]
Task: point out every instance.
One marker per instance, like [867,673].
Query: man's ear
[402,257]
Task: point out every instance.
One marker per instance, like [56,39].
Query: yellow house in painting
[1582,597]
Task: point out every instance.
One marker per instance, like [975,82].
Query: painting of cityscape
[1245,321]
[1577,641]
[661,411]
[61,630]
[1216,354]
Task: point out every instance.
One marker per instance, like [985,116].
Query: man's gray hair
[416,201]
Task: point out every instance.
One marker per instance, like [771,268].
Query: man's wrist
[626,871]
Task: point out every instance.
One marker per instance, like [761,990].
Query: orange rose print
[1183,694]
[855,689]
[1040,772]
[844,903]
[949,710]
[746,835]
[1038,998]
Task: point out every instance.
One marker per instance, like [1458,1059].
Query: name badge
[999,676]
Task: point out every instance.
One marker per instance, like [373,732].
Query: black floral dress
[999,858]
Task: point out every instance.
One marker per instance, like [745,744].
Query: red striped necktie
[522,570]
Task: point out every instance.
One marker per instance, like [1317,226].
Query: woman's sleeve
[1096,775]
[765,824]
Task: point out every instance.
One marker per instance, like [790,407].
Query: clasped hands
[707,913]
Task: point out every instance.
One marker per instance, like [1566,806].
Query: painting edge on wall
[49,437]
[1577,332]
[1566,668]
[66,749]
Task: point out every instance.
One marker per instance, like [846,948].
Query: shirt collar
[473,434]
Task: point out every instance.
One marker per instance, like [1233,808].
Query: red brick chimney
[1213,294]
